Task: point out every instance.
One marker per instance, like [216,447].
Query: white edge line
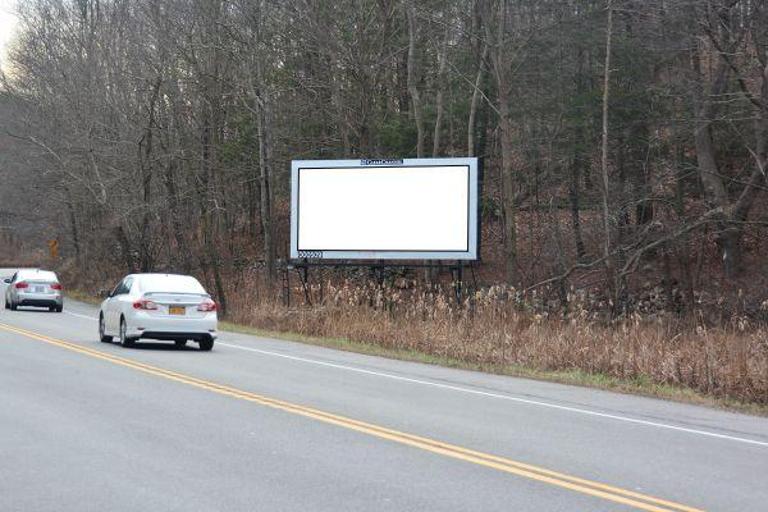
[486,393]
[503,397]
[81,316]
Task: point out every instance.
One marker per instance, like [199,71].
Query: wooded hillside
[624,142]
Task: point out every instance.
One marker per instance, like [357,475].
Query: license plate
[37,289]
[176,310]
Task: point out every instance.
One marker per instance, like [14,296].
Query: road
[262,424]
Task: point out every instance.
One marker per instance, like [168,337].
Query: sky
[7,27]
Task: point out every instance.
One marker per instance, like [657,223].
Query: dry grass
[492,329]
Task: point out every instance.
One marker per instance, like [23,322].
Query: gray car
[34,287]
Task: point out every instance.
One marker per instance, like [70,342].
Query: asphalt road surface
[261,425]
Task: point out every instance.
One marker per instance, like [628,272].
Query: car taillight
[145,304]
[22,285]
[207,306]
[56,286]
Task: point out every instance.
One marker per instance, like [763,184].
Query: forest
[624,145]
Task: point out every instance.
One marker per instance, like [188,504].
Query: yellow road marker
[580,485]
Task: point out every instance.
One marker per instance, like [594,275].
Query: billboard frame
[472,253]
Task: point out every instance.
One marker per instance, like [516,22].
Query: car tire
[125,340]
[7,305]
[206,344]
[180,343]
[103,337]
[59,309]
[14,307]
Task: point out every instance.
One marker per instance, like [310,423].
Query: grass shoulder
[82,297]
[637,386]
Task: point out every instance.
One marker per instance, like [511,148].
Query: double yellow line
[580,485]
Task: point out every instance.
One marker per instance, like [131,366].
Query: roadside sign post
[53,249]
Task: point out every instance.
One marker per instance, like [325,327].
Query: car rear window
[37,275]
[171,284]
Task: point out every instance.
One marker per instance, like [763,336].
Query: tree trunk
[73,224]
[265,181]
[439,108]
[413,88]
[609,269]
[145,157]
[574,197]
[473,103]
[730,234]
[507,147]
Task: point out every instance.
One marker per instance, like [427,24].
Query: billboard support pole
[304,274]
[459,282]
[376,272]
[287,285]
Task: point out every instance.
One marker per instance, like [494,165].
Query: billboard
[412,209]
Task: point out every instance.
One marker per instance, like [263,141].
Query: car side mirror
[7,280]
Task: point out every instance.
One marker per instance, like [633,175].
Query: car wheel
[180,343]
[14,307]
[124,339]
[206,344]
[7,305]
[103,337]
[59,309]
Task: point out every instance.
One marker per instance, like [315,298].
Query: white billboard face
[411,209]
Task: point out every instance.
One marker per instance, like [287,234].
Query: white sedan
[159,307]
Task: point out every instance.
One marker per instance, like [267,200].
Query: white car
[159,307]
[34,287]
